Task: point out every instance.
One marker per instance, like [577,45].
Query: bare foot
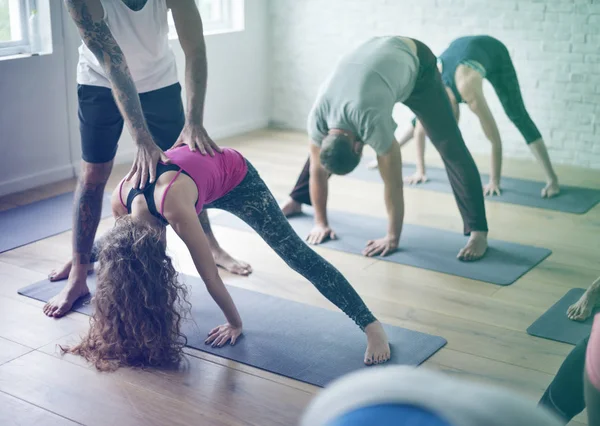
[291,208]
[581,310]
[378,348]
[373,165]
[63,273]
[225,261]
[551,190]
[60,304]
[475,248]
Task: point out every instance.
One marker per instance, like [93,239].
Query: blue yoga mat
[523,192]
[33,222]
[420,246]
[303,342]
[554,324]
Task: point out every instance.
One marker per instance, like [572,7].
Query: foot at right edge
[291,208]
[75,288]
[378,348]
[475,248]
[581,310]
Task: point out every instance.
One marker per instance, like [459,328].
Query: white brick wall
[555,45]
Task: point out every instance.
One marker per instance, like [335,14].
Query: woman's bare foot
[75,288]
[581,310]
[475,248]
[225,261]
[291,208]
[378,348]
[551,190]
[63,273]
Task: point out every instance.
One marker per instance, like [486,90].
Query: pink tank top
[214,176]
[593,354]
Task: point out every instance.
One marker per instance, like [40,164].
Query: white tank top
[144,39]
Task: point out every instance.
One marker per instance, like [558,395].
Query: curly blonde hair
[139,304]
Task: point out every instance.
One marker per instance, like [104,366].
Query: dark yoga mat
[555,325]
[420,246]
[572,199]
[303,342]
[23,225]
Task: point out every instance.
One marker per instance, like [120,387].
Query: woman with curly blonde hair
[138,300]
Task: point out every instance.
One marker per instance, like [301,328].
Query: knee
[518,116]
[95,173]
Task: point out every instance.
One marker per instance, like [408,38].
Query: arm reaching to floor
[184,221]
[584,307]
[88,16]
[318,187]
[188,25]
[390,168]
[478,104]
[406,138]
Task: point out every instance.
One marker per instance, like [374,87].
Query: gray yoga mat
[420,246]
[572,199]
[26,224]
[555,325]
[303,342]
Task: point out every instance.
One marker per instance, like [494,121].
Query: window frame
[224,25]
[8,48]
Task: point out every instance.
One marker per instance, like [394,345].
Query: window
[217,16]
[24,27]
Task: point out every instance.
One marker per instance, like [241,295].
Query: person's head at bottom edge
[403,395]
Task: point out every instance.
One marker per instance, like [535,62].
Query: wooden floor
[483,323]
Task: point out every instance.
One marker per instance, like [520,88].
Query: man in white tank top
[127,74]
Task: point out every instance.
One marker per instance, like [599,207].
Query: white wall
[39,129]
[555,45]
[34,136]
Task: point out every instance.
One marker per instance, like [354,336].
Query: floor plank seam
[42,408]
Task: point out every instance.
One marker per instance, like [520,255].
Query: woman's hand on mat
[222,334]
[196,137]
[320,234]
[492,188]
[144,165]
[416,178]
[382,246]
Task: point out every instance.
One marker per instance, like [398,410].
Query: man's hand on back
[144,165]
[196,137]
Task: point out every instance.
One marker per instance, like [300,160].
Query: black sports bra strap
[148,191]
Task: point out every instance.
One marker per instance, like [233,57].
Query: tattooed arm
[88,16]
[188,24]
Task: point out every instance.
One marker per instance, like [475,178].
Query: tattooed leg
[87,212]
[222,258]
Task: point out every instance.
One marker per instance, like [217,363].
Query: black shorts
[101,123]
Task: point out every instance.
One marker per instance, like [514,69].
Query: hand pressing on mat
[319,234]
[492,188]
[222,334]
[382,246]
[416,178]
